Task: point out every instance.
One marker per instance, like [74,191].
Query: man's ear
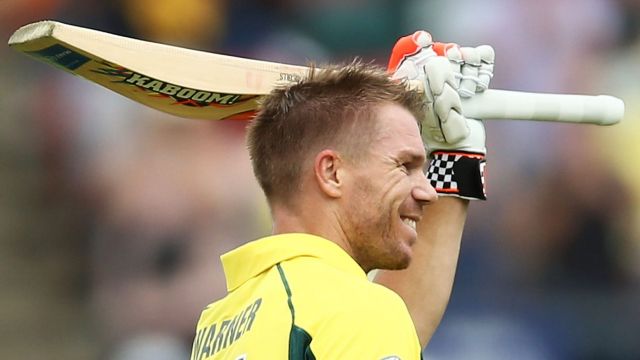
[329,171]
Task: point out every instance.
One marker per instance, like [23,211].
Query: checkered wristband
[458,174]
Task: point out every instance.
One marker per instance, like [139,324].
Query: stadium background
[112,216]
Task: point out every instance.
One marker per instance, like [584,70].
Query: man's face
[386,193]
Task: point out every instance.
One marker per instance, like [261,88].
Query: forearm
[426,285]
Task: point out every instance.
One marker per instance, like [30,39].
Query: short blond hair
[330,108]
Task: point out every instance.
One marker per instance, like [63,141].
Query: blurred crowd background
[113,216]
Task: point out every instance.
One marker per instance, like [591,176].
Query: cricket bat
[202,85]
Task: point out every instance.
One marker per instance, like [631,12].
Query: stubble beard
[373,241]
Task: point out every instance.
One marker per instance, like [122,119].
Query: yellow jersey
[299,296]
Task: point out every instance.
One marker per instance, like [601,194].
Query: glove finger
[455,62]
[469,70]
[431,128]
[407,70]
[415,47]
[485,72]
[432,132]
[422,38]
[455,128]
[448,109]
[438,74]
[441,48]
[447,100]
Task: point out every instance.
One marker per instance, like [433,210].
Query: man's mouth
[410,222]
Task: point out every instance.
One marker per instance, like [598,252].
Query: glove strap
[458,174]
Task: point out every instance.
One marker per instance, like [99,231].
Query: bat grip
[520,105]
[516,105]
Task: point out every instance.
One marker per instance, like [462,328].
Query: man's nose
[424,192]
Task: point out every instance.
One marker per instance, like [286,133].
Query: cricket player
[341,157]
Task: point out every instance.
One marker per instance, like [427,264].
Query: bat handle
[516,105]
[520,105]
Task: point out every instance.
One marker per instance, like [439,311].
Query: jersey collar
[249,260]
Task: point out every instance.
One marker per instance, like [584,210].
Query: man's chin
[399,262]
[405,264]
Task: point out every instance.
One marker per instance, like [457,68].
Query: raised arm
[426,285]
[456,148]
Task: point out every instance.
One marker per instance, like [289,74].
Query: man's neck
[310,220]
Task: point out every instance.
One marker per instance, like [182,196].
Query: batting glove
[455,144]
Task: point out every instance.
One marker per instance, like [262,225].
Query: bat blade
[197,84]
[183,82]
